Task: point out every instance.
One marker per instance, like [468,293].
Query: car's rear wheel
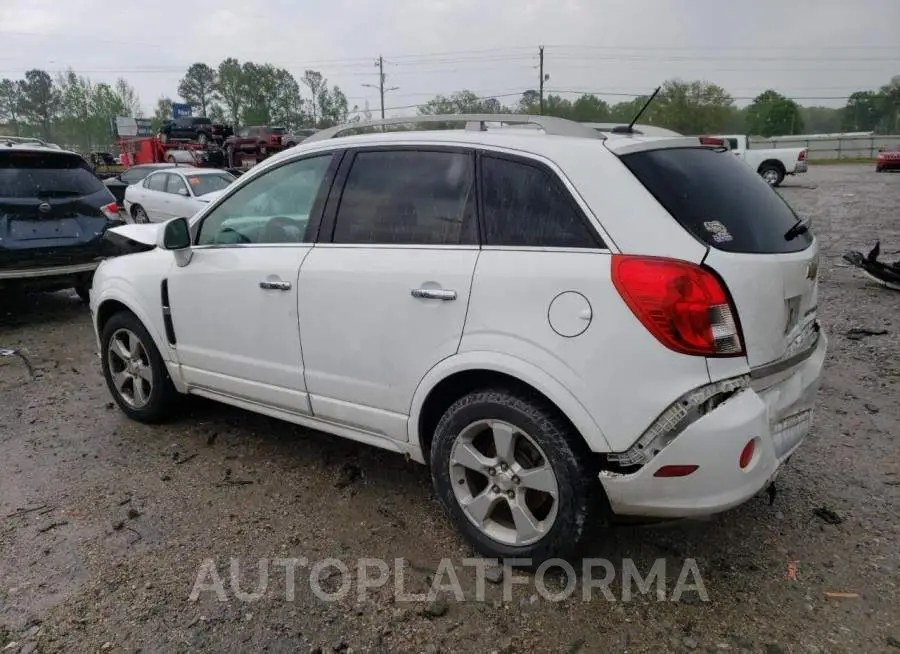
[514,476]
[134,370]
[139,214]
[772,174]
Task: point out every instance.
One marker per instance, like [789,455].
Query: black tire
[772,174]
[83,289]
[580,494]
[163,399]
[139,215]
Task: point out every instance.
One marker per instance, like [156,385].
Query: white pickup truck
[771,163]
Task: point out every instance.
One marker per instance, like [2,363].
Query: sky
[815,51]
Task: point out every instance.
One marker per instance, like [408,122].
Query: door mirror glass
[176,235]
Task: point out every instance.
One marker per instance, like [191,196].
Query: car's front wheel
[134,370]
[514,476]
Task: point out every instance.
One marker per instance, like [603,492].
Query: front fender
[519,369]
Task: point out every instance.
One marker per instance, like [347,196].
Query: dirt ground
[104,523]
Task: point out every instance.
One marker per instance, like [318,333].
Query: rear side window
[156,182]
[26,174]
[524,205]
[718,199]
[408,197]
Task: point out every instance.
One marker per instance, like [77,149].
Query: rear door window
[156,182]
[409,197]
[718,199]
[25,174]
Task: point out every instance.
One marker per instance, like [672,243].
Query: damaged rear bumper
[777,417]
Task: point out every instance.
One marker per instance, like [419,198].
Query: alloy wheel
[129,368]
[504,482]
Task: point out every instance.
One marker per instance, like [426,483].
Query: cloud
[803,48]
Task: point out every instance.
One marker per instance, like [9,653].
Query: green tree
[11,104]
[821,120]
[197,87]
[74,124]
[333,107]
[590,109]
[161,113]
[862,112]
[696,107]
[530,102]
[314,81]
[461,102]
[772,114]
[40,101]
[230,89]
[273,97]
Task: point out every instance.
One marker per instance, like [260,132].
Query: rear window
[276,130]
[718,199]
[202,121]
[45,175]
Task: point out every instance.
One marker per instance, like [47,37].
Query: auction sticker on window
[718,231]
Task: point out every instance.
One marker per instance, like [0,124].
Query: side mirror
[176,236]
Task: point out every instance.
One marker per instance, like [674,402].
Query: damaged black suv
[53,214]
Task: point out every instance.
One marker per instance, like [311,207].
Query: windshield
[718,199]
[203,184]
[45,175]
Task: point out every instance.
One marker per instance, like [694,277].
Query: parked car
[772,164]
[53,215]
[558,351]
[195,128]
[132,175]
[888,159]
[173,193]
[259,141]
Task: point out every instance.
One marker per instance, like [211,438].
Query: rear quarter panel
[615,369]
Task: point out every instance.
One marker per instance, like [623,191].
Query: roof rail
[474,122]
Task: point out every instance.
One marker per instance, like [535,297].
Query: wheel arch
[777,163]
[458,375]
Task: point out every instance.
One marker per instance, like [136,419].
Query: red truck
[258,141]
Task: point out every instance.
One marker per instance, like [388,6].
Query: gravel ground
[104,523]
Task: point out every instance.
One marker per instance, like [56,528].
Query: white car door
[181,201]
[383,293]
[154,198]
[234,305]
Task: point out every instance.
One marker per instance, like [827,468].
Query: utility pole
[541,53]
[379,63]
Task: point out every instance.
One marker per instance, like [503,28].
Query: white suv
[565,325]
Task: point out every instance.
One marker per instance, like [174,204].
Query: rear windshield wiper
[798,228]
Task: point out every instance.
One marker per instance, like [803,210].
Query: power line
[380,86]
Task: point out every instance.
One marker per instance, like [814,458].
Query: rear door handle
[275,286]
[434,294]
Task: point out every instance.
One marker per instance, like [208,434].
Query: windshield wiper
[798,228]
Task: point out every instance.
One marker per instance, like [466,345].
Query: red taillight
[747,454]
[712,140]
[675,471]
[111,211]
[683,305]
[802,156]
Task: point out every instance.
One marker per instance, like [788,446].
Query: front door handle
[275,286]
[434,293]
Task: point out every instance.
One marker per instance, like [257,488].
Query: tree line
[698,107]
[74,110]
